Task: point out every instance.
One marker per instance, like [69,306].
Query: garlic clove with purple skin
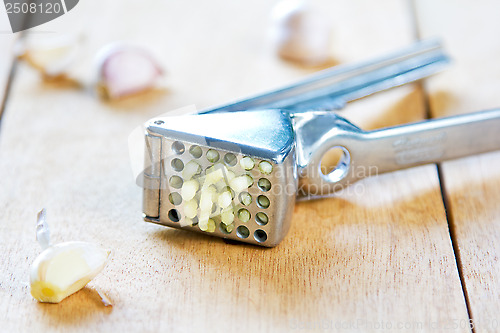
[125,70]
[301,34]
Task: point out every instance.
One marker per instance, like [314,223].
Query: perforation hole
[244,215]
[191,169]
[213,155]
[175,198]
[263,201]
[247,163]
[227,229]
[174,215]
[176,182]
[230,159]
[264,184]
[245,198]
[178,147]
[242,232]
[195,151]
[265,167]
[261,218]
[249,180]
[177,164]
[260,235]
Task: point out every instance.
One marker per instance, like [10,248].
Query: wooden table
[415,250]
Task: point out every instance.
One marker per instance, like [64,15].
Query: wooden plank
[472,184]
[378,255]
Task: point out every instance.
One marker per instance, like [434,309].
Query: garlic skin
[301,34]
[63,269]
[42,230]
[125,70]
[53,56]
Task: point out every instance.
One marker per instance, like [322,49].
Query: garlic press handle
[365,154]
[332,88]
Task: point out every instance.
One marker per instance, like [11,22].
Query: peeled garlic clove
[301,34]
[126,70]
[65,268]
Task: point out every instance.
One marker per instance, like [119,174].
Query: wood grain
[378,254]
[473,184]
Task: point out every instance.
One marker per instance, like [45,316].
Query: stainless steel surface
[267,134]
[332,88]
[375,152]
[262,135]
[151,177]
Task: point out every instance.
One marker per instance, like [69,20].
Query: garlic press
[236,170]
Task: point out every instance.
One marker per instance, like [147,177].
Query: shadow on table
[326,261]
[84,306]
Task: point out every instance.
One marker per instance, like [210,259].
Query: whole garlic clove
[53,56]
[301,34]
[63,269]
[125,70]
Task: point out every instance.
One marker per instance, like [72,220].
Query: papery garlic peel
[63,269]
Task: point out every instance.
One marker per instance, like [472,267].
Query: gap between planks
[412,9]
[7,89]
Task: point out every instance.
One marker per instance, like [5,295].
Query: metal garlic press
[235,171]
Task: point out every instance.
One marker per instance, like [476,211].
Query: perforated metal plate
[260,211]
